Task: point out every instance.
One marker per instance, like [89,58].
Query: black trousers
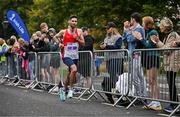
[171,79]
[115,68]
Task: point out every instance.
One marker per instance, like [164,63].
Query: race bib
[71,50]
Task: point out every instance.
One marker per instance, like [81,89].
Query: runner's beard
[73,27]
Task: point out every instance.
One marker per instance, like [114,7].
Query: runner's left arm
[80,38]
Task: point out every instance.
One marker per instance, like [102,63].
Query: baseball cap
[110,25]
[52,30]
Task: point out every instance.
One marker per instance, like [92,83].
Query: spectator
[85,59]
[11,58]
[51,33]
[3,49]
[114,63]
[21,48]
[171,59]
[55,58]
[45,59]
[44,28]
[133,43]
[150,60]
[38,34]
[13,37]
[33,40]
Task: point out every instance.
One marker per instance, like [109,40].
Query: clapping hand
[137,35]
[154,38]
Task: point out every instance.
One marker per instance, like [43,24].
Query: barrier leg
[91,95]
[35,85]
[101,96]
[3,80]
[52,88]
[17,83]
[30,85]
[174,110]
[118,100]
[131,103]
[82,94]
[94,95]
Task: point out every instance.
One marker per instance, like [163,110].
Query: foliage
[91,13]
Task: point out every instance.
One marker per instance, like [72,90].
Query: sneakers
[154,105]
[77,91]
[169,109]
[62,94]
[70,93]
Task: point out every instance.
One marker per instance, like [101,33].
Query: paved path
[15,101]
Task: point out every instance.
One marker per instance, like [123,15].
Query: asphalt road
[15,101]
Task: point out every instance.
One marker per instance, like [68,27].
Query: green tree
[91,13]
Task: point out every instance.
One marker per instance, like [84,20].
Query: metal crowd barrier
[149,75]
[2,74]
[48,71]
[83,87]
[113,67]
[26,70]
[114,73]
[3,70]
[9,70]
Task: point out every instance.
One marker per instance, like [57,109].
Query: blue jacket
[132,42]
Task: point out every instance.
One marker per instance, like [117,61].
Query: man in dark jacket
[85,58]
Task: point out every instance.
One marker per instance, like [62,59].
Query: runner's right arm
[59,35]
